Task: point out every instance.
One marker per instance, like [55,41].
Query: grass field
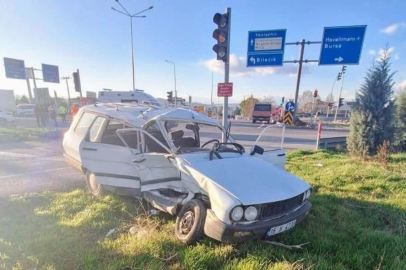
[358,221]
[21,133]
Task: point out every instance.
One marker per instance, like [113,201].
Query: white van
[174,159]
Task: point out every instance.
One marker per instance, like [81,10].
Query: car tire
[94,188]
[190,220]
[253,121]
[3,122]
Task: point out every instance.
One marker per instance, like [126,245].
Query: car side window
[152,146]
[84,123]
[94,131]
[110,135]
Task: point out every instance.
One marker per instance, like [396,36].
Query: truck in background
[7,100]
[262,112]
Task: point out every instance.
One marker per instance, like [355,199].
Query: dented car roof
[138,115]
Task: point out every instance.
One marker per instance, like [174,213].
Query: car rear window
[262,107]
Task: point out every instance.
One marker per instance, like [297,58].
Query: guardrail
[332,143]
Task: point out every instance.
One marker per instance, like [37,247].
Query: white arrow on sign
[252,59]
[339,59]
[252,42]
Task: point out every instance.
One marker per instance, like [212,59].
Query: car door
[104,154]
[156,165]
[271,140]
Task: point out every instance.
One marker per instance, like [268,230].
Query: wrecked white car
[175,159]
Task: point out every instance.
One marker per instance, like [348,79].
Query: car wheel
[253,121]
[95,188]
[190,222]
[3,122]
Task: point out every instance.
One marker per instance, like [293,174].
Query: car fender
[221,201]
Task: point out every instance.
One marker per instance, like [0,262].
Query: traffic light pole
[226,75]
[339,98]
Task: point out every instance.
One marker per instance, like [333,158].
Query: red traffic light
[316,92]
[220,20]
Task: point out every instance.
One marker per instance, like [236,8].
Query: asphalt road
[27,167]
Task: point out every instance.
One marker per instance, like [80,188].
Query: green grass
[358,221]
[22,133]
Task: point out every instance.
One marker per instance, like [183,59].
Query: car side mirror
[257,150]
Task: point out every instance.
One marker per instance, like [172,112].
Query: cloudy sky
[88,35]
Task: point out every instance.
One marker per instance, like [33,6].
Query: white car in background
[168,157]
[5,118]
[24,110]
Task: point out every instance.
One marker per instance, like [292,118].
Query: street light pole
[174,76]
[126,13]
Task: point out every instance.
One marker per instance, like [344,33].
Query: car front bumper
[222,232]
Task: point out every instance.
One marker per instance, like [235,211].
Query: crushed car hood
[252,180]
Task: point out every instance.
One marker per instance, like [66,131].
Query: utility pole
[29,90]
[33,78]
[66,78]
[299,75]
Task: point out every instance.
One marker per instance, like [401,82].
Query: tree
[306,100]
[371,122]
[247,106]
[400,133]
[22,100]
[330,98]
[269,100]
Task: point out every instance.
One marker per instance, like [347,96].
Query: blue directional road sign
[342,45]
[290,106]
[264,59]
[50,73]
[263,44]
[15,69]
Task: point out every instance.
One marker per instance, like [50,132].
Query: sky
[90,36]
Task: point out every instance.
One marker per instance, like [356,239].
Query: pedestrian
[75,109]
[52,115]
[62,113]
[37,114]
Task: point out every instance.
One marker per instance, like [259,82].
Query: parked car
[5,118]
[24,110]
[164,156]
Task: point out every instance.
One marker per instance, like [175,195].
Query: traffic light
[316,93]
[222,35]
[340,102]
[283,100]
[339,76]
[76,81]
[170,96]
[330,104]
[343,69]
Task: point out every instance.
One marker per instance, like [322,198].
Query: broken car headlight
[306,194]
[251,213]
[237,213]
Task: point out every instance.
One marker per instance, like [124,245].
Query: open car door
[271,140]
[156,166]
[108,159]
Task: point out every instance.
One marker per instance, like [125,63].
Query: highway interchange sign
[50,73]
[15,69]
[342,45]
[266,48]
